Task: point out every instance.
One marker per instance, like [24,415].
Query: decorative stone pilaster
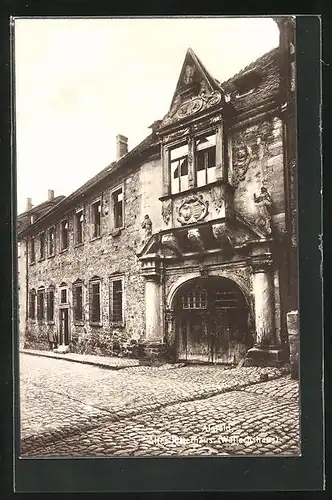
[170,334]
[152,345]
[265,351]
[153,329]
[191,173]
[264,305]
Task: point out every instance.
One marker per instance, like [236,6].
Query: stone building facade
[24,220]
[184,247]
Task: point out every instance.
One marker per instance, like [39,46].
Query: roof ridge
[98,177]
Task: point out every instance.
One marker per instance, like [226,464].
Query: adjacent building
[185,246]
[24,220]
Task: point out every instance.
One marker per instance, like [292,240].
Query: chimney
[50,196]
[29,204]
[121,146]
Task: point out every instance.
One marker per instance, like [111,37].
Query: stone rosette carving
[166,211]
[192,209]
[242,154]
[195,238]
[263,203]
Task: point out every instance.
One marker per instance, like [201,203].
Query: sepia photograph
[156,229]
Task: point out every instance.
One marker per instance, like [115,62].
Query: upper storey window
[179,168]
[78,223]
[51,241]
[205,160]
[117,203]
[64,234]
[96,218]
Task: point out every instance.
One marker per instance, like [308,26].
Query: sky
[80,82]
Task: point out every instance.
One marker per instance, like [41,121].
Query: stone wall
[257,154]
[21,292]
[114,253]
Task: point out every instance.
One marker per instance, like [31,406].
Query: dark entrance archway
[212,321]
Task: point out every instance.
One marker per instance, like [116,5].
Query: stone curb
[49,436]
[81,361]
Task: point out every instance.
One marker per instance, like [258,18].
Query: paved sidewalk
[108,362]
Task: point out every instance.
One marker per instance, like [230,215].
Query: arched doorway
[212,321]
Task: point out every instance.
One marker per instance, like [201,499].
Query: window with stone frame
[51,241]
[95,301]
[32,250]
[63,291]
[178,164]
[117,208]
[205,160]
[42,246]
[96,218]
[78,301]
[32,304]
[79,227]
[50,304]
[40,304]
[64,234]
[116,300]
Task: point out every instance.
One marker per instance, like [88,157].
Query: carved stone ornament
[182,109]
[206,123]
[176,135]
[218,201]
[203,270]
[222,234]
[191,181]
[242,155]
[194,236]
[192,209]
[188,76]
[261,265]
[169,241]
[263,203]
[190,107]
[147,226]
[166,211]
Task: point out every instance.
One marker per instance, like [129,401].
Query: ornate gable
[195,91]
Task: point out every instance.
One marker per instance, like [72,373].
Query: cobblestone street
[71,409]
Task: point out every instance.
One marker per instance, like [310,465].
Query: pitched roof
[92,183]
[23,219]
[268,88]
[266,65]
